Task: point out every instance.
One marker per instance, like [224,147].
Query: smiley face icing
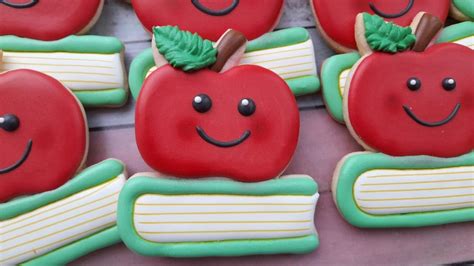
[422,106]
[43,134]
[214,119]
[336,18]
[217,124]
[211,18]
[47,19]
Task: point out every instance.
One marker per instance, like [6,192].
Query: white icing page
[76,71]
[382,192]
[47,228]
[194,218]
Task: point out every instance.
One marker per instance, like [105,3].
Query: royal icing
[390,191]
[47,19]
[379,191]
[34,226]
[336,18]
[389,115]
[211,18]
[211,217]
[91,66]
[49,144]
[424,106]
[288,53]
[188,144]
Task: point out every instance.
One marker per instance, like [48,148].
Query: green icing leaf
[385,36]
[183,49]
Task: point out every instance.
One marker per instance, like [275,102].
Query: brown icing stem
[427,29]
[229,43]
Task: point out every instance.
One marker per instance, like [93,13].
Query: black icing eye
[414,84]
[247,107]
[9,122]
[202,103]
[449,84]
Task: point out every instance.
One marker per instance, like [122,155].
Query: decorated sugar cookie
[288,53]
[40,35]
[418,118]
[227,133]
[210,19]
[32,107]
[335,70]
[48,20]
[335,18]
[48,203]
[462,10]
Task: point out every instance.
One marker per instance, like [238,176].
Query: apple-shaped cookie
[336,18]
[242,123]
[43,134]
[211,18]
[411,102]
[47,19]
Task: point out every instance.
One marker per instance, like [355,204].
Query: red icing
[252,18]
[166,123]
[48,19]
[51,117]
[378,92]
[337,17]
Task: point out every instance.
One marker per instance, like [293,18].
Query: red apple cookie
[192,122]
[417,102]
[336,18]
[211,18]
[47,19]
[43,134]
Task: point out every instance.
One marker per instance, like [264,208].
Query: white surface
[193,218]
[408,191]
[289,62]
[75,71]
[47,228]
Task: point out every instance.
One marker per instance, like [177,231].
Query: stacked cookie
[406,101]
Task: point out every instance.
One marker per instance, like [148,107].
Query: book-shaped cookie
[336,69]
[91,66]
[47,200]
[54,227]
[227,133]
[212,217]
[376,190]
[40,35]
[417,115]
[289,53]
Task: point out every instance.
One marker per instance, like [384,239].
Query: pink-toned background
[322,143]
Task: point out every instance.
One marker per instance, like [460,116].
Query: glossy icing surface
[35,225]
[413,191]
[251,217]
[257,147]
[48,19]
[52,121]
[389,116]
[391,191]
[337,17]
[252,18]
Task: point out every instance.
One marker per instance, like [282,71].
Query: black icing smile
[432,124]
[23,158]
[23,5]
[211,12]
[222,144]
[396,15]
